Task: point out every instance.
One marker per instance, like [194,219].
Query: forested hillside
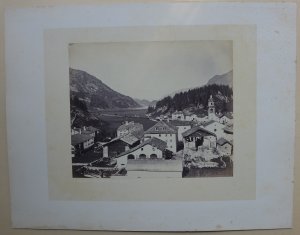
[196,98]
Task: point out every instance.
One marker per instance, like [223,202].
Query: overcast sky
[152,70]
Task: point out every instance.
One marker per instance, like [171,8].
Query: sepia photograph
[151,109]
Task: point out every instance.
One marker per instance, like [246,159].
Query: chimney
[126,148]
[105,151]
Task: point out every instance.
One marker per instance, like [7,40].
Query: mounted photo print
[180,117]
[152,109]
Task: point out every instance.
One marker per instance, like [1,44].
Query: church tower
[211,108]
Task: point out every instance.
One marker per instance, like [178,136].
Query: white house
[224,147]
[182,126]
[215,127]
[165,132]
[197,137]
[178,115]
[150,149]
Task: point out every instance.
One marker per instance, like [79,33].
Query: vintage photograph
[151,109]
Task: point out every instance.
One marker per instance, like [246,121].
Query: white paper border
[276,53]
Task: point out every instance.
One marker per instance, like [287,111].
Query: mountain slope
[95,94]
[224,79]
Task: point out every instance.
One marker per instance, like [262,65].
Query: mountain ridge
[222,79]
[96,94]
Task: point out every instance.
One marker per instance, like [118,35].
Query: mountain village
[181,144]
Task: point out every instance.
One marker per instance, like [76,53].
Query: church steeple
[211,108]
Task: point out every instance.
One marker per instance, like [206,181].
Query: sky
[152,70]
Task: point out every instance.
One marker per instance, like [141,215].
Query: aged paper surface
[61,183]
[275,29]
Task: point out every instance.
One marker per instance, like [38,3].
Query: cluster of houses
[161,141]
[214,131]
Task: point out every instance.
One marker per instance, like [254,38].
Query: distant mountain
[145,103]
[90,92]
[224,79]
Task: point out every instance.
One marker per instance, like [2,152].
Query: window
[142,156]
[131,156]
[153,156]
[142,149]
[159,135]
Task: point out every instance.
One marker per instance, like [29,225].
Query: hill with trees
[194,99]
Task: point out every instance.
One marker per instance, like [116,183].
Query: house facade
[150,149]
[199,137]
[165,132]
[225,147]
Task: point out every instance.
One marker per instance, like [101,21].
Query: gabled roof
[162,128]
[208,123]
[155,142]
[223,141]
[228,115]
[80,138]
[128,139]
[228,129]
[198,129]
